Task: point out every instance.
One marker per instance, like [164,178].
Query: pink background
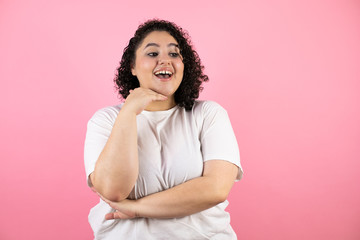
[288,72]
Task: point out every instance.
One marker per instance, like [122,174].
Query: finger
[109,216]
[159,97]
[116,215]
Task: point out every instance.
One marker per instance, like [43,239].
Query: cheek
[180,67]
[145,64]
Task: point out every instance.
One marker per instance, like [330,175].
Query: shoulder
[106,114]
[207,107]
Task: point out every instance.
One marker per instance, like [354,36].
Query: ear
[133,72]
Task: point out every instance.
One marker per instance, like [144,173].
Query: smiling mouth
[163,74]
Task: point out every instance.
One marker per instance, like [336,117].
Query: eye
[174,54]
[153,54]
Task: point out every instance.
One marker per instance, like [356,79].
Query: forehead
[159,38]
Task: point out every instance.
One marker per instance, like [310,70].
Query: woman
[162,162]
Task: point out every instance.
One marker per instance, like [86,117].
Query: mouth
[163,74]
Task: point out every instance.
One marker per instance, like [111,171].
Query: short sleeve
[217,137]
[98,131]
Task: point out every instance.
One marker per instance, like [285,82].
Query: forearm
[116,169]
[185,199]
[182,200]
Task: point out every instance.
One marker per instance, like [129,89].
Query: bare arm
[116,169]
[185,199]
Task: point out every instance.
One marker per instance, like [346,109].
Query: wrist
[127,110]
[136,208]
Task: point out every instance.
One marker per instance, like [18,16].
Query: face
[158,64]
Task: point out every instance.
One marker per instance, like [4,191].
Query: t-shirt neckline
[160,113]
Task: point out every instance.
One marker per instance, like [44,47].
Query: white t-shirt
[173,146]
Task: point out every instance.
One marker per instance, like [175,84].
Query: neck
[161,105]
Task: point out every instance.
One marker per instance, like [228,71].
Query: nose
[164,60]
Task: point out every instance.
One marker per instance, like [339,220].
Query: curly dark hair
[193,76]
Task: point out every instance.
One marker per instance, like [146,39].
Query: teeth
[163,72]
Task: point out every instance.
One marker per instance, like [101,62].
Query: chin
[165,92]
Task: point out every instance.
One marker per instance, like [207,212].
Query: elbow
[220,196]
[109,191]
[115,196]
[216,191]
[220,193]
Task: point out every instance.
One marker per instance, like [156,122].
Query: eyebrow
[157,45]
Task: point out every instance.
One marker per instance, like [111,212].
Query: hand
[125,209]
[140,98]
